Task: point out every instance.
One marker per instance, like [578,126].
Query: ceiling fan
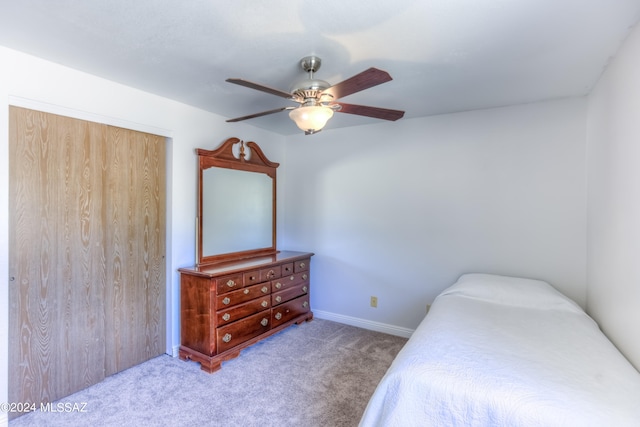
[319,100]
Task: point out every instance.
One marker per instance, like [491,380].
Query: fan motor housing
[309,87]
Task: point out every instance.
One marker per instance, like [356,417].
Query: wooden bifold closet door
[87,246]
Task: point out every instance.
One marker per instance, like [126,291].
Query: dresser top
[227,267]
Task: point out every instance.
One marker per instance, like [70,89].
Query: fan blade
[259,87]
[363,110]
[366,79]
[264,113]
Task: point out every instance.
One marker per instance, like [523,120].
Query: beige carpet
[319,373]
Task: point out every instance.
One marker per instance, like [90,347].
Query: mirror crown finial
[241,154]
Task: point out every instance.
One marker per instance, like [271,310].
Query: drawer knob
[264,303]
[252,278]
[278,298]
[226,301]
[246,291]
[264,289]
[226,338]
[305,289]
[270,274]
[231,283]
[226,317]
[304,276]
[264,322]
[292,278]
[305,304]
[302,265]
[278,285]
[278,316]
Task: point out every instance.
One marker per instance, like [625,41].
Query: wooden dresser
[228,306]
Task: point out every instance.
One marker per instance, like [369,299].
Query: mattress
[502,351]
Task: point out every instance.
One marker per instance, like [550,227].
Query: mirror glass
[236,210]
[236,203]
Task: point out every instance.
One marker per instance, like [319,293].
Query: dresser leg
[308,318]
[212,366]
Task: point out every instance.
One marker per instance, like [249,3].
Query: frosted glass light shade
[311,119]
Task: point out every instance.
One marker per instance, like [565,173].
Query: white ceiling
[444,55]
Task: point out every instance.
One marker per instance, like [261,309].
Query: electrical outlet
[374,302]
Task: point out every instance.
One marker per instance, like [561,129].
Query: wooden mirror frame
[223,157]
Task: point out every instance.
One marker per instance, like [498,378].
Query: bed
[503,351]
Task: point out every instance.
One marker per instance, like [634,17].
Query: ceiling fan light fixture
[311,119]
[317,98]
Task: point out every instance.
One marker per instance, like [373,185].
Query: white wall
[613,291]
[31,82]
[400,210]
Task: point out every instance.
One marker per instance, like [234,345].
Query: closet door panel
[135,210]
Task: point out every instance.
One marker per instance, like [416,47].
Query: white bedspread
[498,351]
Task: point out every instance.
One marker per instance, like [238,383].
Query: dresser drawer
[239,311]
[289,281]
[302,265]
[251,277]
[289,310]
[242,295]
[287,269]
[289,294]
[243,330]
[229,283]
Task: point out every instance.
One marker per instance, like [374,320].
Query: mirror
[236,203]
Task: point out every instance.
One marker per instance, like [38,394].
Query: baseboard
[363,323]
[175,350]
